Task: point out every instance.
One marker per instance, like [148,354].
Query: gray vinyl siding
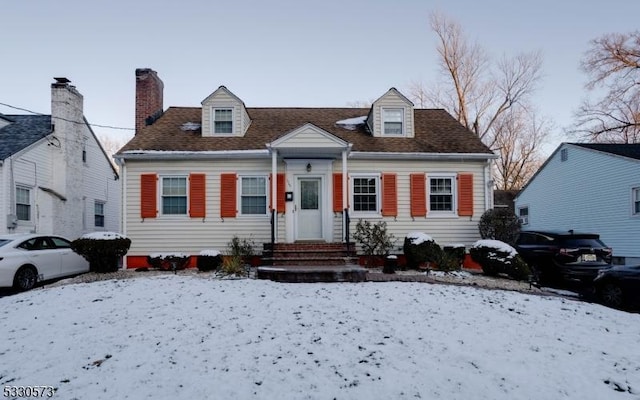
[4,196]
[590,191]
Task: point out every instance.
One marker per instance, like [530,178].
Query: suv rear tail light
[567,252]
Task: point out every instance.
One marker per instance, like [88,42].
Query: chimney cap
[62,80]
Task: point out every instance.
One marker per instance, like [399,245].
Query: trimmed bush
[103,250]
[499,224]
[496,257]
[420,248]
[209,260]
[168,261]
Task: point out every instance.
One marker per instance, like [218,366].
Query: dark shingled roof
[620,149]
[23,131]
[436,131]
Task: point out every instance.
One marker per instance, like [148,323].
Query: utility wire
[68,120]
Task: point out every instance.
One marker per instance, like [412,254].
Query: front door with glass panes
[309,209]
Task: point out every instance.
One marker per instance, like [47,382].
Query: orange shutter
[197,196]
[389,195]
[228,198]
[418,195]
[465,194]
[148,195]
[280,192]
[337,192]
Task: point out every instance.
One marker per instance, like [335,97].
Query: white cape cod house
[193,177]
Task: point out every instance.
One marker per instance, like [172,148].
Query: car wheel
[25,278]
[611,294]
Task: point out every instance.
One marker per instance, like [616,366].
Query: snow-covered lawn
[188,337]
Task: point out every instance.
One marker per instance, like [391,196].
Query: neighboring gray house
[55,177]
[588,187]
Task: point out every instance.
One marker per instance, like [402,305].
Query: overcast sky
[281,52]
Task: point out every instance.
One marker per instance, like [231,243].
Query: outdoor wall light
[308,167]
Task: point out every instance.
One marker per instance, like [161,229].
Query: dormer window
[392,119]
[223,120]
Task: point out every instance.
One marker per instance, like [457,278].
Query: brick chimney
[149,92]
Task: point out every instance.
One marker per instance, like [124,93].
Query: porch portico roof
[309,141]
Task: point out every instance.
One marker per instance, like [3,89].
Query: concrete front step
[309,274]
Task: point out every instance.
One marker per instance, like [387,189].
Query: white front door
[309,209]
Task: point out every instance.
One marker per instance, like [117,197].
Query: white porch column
[274,190]
[345,181]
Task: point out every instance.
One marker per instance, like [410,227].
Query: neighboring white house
[194,177]
[589,188]
[55,177]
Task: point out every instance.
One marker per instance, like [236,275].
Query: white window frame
[635,201]
[352,193]
[29,204]
[454,195]
[162,196]
[266,194]
[96,214]
[384,120]
[523,220]
[213,120]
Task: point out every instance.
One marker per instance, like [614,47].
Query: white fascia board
[366,155]
[180,155]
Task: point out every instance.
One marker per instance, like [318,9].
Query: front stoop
[309,254]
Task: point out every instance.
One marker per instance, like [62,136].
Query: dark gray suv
[563,255]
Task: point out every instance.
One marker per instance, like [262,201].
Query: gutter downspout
[123,202]
[488,185]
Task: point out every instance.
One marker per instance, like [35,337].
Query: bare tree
[521,134]
[111,145]
[613,64]
[487,97]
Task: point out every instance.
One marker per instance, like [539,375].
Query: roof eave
[369,155]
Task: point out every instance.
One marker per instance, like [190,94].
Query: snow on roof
[419,237]
[352,123]
[190,126]
[496,244]
[103,236]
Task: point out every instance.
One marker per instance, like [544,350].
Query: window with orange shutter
[389,195]
[418,195]
[197,196]
[148,195]
[228,195]
[465,194]
[442,196]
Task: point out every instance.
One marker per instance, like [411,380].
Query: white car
[26,259]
